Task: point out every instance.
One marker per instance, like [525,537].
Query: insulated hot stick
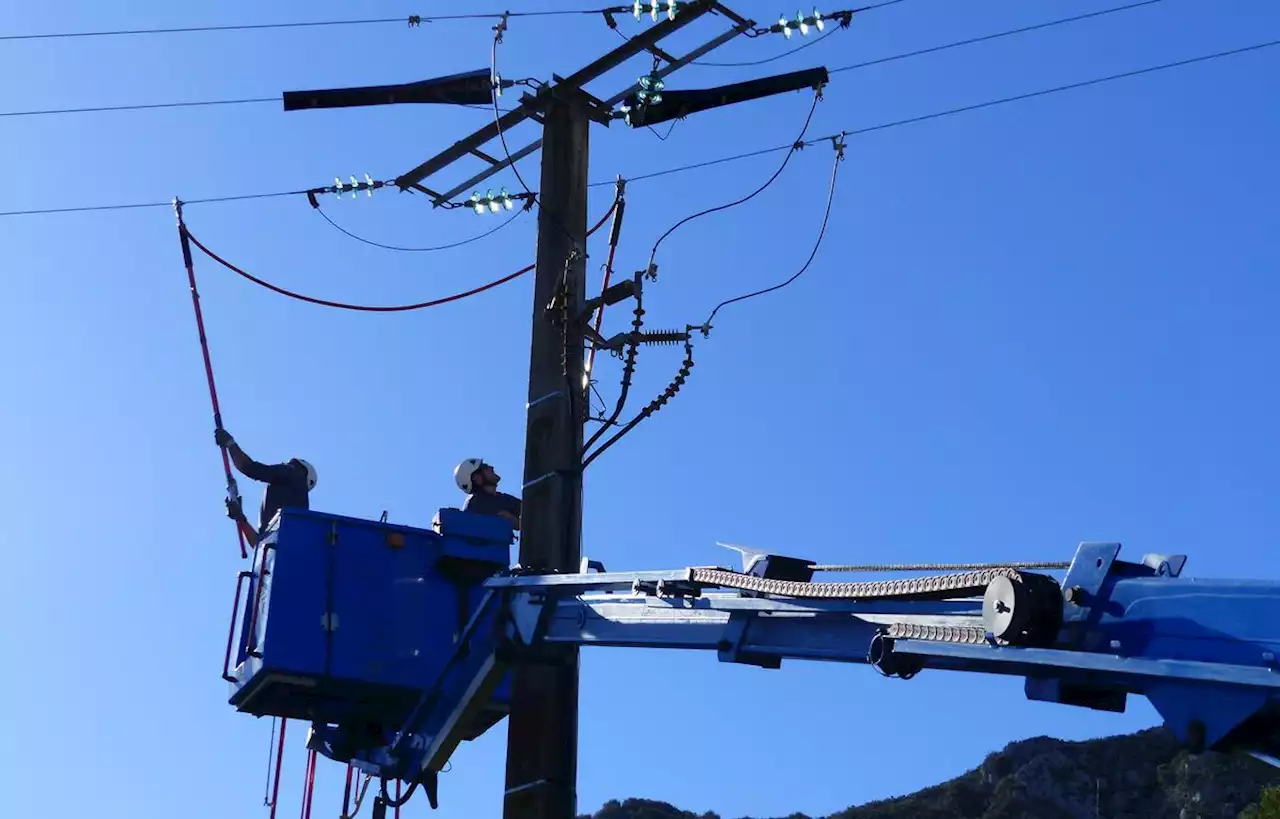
[233,492]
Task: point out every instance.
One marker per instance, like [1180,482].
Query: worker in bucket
[479,480]
[288,486]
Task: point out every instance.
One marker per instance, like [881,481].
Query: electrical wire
[949,112]
[699,165]
[486,234]
[364,789]
[996,36]
[867,64]
[802,46]
[934,49]
[615,233]
[875,6]
[411,21]
[309,783]
[721,160]
[271,747]
[761,32]
[358,307]
[831,193]
[137,205]
[493,95]
[1060,88]
[633,346]
[628,370]
[766,60]
[654,405]
[98,109]
[637,323]
[153,106]
[400,799]
[371,308]
[665,137]
[799,143]
[502,137]
[346,789]
[63,35]
[603,404]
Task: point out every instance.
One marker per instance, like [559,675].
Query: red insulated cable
[346,792]
[183,236]
[616,210]
[397,816]
[310,785]
[374,308]
[275,789]
[608,272]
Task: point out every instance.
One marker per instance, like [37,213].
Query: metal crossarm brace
[531,105]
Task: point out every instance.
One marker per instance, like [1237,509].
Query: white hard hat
[311,473]
[463,472]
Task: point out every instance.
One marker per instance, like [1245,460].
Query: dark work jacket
[286,487]
[491,503]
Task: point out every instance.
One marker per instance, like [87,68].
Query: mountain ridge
[1142,775]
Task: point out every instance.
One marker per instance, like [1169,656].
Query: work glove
[234,511]
[222,437]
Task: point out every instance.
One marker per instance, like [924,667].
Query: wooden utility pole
[542,744]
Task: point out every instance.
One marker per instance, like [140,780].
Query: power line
[633,347]
[363,308]
[1058,89]
[449,246]
[697,165]
[987,37]
[822,231]
[880,5]
[766,60]
[138,205]
[502,137]
[867,64]
[366,308]
[950,112]
[653,406]
[99,109]
[64,35]
[411,21]
[933,49]
[817,95]
[736,157]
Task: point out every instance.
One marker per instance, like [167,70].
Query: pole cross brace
[530,105]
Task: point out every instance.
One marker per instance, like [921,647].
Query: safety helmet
[311,473]
[463,472]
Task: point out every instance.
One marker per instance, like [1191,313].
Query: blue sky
[1028,326]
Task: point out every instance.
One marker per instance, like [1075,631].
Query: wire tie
[527,786]
[537,401]
[552,474]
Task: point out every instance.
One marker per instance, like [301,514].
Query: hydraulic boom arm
[1117,629]
[1202,651]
